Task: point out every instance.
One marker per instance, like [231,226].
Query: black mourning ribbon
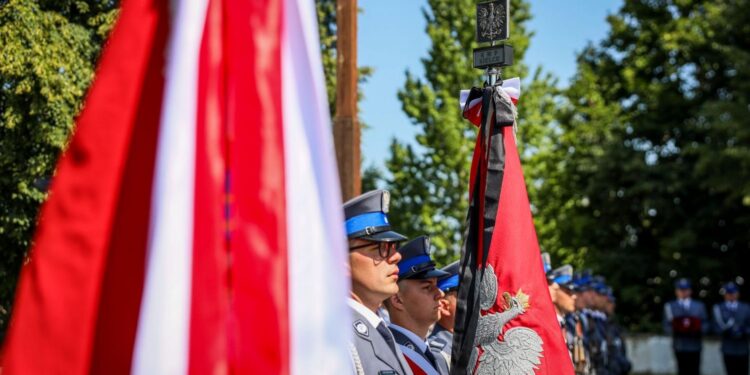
[492,148]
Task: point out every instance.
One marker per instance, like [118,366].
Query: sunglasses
[385,249]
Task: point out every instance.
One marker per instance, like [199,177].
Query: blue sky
[392,39]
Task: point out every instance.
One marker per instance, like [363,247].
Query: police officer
[686,320]
[441,338]
[579,319]
[599,321]
[373,263]
[415,308]
[732,320]
[595,339]
[618,362]
[561,287]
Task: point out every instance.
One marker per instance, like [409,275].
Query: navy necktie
[388,336]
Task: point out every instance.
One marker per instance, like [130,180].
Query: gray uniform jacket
[441,343]
[733,324]
[686,325]
[372,355]
[420,354]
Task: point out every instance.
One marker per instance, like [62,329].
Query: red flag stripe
[123,279]
[209,301]
[259,327]
[60,292]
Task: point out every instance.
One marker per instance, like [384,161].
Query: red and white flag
[505,321]
[194,223]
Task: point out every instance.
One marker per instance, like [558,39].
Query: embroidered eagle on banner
[520,351]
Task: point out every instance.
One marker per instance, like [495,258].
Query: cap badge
[386,201]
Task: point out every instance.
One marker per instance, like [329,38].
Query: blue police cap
[682,283]
[582,280]
[450,282]
[366,217]
[598,284]
[416,262]
[562,276]
[731,288]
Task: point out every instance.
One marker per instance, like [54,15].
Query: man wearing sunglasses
[416,307]
[373,265]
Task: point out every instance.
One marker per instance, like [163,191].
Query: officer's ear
[396,302]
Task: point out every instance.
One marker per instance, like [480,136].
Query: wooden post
[346,132]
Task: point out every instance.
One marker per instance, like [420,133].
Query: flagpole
[346,130]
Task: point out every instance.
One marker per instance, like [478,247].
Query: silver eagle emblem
[491,21]
[520,351]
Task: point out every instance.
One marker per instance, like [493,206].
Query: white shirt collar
[412,336]
[371,317]
[560,319]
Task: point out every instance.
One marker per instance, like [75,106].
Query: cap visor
[569,287]
[430,274]
[387,236]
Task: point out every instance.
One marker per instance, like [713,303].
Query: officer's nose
[394,258]
[439,294]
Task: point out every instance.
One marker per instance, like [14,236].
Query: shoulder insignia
[361,328]
[437,344]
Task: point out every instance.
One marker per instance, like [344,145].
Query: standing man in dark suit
[686,320]
[373,264]
[732,319]
[416,307]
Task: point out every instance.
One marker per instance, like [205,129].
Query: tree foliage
[326,10]
[49,49]
[639,169]
[430,180]
[650,177]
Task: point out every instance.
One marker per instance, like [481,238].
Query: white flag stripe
[513,87]
[318,285]
[162,339]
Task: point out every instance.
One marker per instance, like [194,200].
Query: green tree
[49,49]
[430,180]
[326,10]
[650,179]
